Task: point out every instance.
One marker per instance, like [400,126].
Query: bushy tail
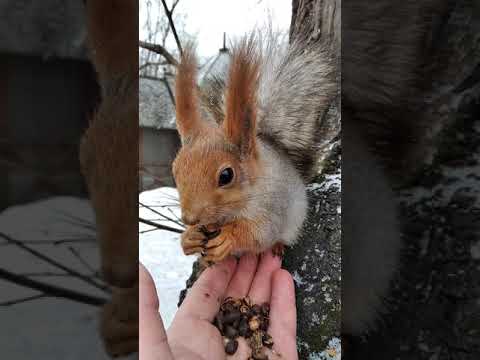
[297,87]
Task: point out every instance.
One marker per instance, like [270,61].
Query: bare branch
[159,226]
[81,259]
[55,263]
[172,25]
[51,290]
[174,5]
[21,300]
[169,90]
[53,242]
[162,215]
[159,49]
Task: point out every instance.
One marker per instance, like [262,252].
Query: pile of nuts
[241,318]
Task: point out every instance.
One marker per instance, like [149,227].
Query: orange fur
[109,159]
[113,35]
[199,199]
[186,95]
[198,164]
[241,96]
[238,236]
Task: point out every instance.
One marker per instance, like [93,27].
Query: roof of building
[156,109]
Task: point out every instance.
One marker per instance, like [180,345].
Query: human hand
[192,335]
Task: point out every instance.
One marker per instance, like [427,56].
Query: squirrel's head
[217,162]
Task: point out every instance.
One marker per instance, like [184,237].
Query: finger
[242,279]
[204,298]
[152,337]
[261,287]
[243,351]
[283,315]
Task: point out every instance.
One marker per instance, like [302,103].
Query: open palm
[192,335]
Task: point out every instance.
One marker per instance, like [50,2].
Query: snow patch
[332,352]
[160,251]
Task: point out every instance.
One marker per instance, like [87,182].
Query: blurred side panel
[411,179]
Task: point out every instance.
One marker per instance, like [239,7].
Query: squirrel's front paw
[193,240]
[119,322]
[217,249]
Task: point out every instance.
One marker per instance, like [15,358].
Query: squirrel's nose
[190,219]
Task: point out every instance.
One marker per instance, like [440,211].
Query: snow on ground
[160,250]
[27,329]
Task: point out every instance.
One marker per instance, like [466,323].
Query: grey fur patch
[296,87]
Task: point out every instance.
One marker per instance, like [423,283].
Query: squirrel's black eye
[226,177]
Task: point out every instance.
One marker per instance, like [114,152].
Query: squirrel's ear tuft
[241,96]
[186,94]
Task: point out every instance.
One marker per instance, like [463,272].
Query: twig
[51,290]
[162,215]
[174,5]
[159,49]
[172,25]
[21,300]
[149,230]
[159,226]
[170,92]
[54,263]
[81,259]
[45,274]
[52,242]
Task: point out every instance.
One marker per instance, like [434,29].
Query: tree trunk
[315,261]
[433,306]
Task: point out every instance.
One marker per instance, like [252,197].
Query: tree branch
[159,49]
[21,300]
[165,217]
[172,25]
[51,290]
[160,226]
[55,263]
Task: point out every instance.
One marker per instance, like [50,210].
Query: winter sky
[209,19]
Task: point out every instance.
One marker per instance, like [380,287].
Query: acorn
[243,328]
[229,307]
[265,309]
[231,347]
[231,317]
[244,309]
[218,321]
[256,309]
[241,318]
[254,323]
[264,324]
[231,332]
[267,340]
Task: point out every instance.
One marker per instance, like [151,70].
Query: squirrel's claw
[217,250]
[193,240]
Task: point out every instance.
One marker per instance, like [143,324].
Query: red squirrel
[249,146]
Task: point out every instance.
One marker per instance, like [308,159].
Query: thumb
[153,342]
